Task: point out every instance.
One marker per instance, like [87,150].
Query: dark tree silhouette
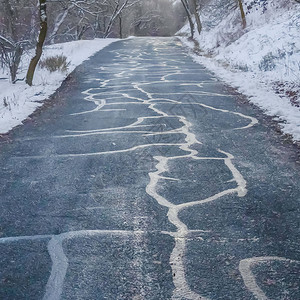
[39,46]
[243,16]
[195,9]
[189,16]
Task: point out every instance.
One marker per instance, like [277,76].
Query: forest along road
[148,179]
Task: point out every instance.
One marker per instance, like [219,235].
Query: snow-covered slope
[18,101]
[263,60]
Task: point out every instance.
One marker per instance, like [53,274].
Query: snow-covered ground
[18,101]
[262,61]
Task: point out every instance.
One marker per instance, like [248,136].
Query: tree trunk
[120,27]
[58,22]
[243,16]
[189,16]
[197,15]
[117,11]
[110,23]
[39,46]
[15,63]
[11,54]
[9,15]
[80,30]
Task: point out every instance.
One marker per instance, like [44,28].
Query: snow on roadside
[18,101]
[259,94]
[265,56]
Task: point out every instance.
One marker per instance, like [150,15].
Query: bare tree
[39,46]
[11,54]
[10,19]
[120,27]
[243,16]
[189,16]
[195,10]
[11,49]
[118,7]
[58,21]
[70,19]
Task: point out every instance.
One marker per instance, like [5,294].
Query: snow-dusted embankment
[263,61]
[18,101]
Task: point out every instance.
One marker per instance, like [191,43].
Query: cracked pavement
[148,179]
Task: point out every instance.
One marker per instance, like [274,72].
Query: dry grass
[55,63]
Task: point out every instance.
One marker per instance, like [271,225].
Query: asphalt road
[147,178]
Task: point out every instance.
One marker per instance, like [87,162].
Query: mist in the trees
[71,20]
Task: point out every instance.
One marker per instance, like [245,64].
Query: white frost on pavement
[260,60]
[18,101]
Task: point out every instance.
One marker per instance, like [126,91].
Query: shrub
[268,62]
[55,63]
[5,103]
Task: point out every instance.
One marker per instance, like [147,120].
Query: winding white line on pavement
[55,283]
[249,278]
[54,287]
[182,289]
[14,239]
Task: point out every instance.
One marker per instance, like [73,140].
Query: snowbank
[18,101]
[263,61]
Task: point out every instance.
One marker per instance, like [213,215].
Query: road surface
[148,178]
